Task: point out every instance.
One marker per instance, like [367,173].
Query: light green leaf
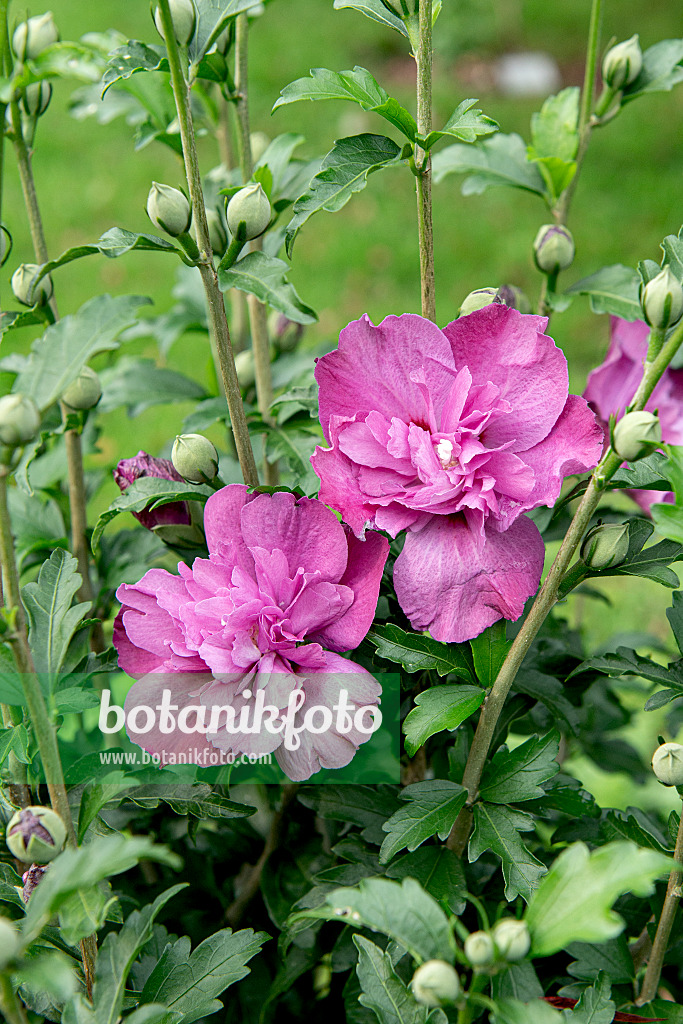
[266,278]
[84,912]
[573,902]
[438,708]
[52,619]
[60,354]
[212,18]
[669,522]
[375,10]
[344,171]
[612,290]
[138,384]
[512,1011]
[500,160]
[152,492]
[661,70]
[431,810]
[497,828]
[554,129]
[595,1005]
[417,652]
[464,124]
[383,991]
[114,243]
[513,776]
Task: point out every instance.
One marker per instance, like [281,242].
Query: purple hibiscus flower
[285,589]
[175,514]
[452,435]
[613,384]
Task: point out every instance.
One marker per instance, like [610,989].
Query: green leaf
[114,243]
[37,523]
[489,651]
[375,10]
[189,982]
[148,492]
[626,662]
[464,124]
[417,652]
[60,354]
[612,290]
[550,692]
[97,795]
[513,776]
[675,617]
[438,708]
[212,18]
[383,991]
[138,384]
[595,1005]
[660,72]
[439,871]
[648,474]
[500,160]
[344,171]
[266,278]
[573,902]
[366,806]
[618,824]
[360,87]
[612,957]
[84,912]
[554,129]
[402,911]
[497,828]
[84,867]
[52,619]
[431,809]
[669,522]
[512,1011]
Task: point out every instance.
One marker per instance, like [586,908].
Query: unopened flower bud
[184,18]
[168,209]
[218,236]
[250,207]
[622,64]
[479,949]
[667,764]
[553,248]
[636,435]
[31,878]
[512,939]
[514,297]
[605,545]
[246,371]
[19,420]
[259,144]
[36,834]
[23,289]
[36,98]
[35,35]
[402,8]
[662,299]
[5,244]
[84,392]
[478,299]
[195,458]
[435,983]
[9,942]
[284,332]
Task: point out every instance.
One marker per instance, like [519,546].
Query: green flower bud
[218,236]
[667,764]
[35,35]
[36,834]
[512,939]
[84,392]
[19,420]
[605,546]
[168,209]
[285,333]
[24,290]
[435,983]
[403,8]
[479,949]
[36,98]
[244,364]
[622,64]
[553,248]
[478,299]
[184,18]
[5,244]
[195,458]
[259,144]
[662,299]
[249,206]
[636,435]
[9,942]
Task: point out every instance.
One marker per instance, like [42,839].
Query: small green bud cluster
[636,435]
[33,36]
[195,458]
[435,983]
[662,300]
[605,546]
[23,289]
[19,420]
[84,392]
[184,18]
[35,835]
[9,942]
[168,209]
[622,64]
[250,207]
[553,248]
[667,764]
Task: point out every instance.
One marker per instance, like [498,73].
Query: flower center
[444,452]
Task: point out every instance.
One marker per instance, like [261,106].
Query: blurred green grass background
[364,259]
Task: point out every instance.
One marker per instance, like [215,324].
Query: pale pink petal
[185,691]
[222,523]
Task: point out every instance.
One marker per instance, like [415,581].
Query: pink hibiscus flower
[452,435]
[285,588]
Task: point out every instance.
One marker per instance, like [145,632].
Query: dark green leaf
[383,991]
[595,1005]
[148,491]
[266,278]
[212,18]
[439,708]
[497,828]
[513,776]
[366,806]
[431,809]
[550,692]
[417,652]
[647,474]
[612,957]
[52,619]
[626,662]
[500,160]
[489,651]
[612,290]
[439,871]
[675,617]
[621,825]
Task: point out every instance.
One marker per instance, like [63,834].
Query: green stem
[12,1009]
[5,71]
[231,253]
[545,599]
[214,297]
[666,920]
[547,291]
[423,162]
[242,94]
[473,996]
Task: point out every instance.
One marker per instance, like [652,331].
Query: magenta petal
[185,689]
[223,525]
[372,369]
[363,575]
[339,488]
[450,583]
[509,348]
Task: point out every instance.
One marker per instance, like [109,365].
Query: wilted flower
[31,878]
[452,435]
[286,587]
[142,464]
